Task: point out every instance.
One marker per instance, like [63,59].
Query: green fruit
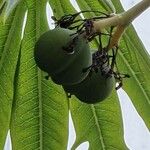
[52,56]
[95,88]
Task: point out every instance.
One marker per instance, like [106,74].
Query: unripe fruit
[63,56]
[95,88]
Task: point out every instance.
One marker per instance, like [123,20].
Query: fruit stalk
[121,21]
[128,16]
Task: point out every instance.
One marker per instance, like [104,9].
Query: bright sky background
[137,136]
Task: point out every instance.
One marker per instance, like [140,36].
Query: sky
[137,136]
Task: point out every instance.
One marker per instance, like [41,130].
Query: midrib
[98,128]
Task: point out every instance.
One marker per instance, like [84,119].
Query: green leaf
[61,8]
[4,31]
[135,60]
[39,118]
[100,124]
[2,6]
[10,5]
[40,109]
[10,39]
[109,6]
[103,5]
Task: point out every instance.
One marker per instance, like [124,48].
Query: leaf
[2,6]
[109,6]
[95,123]
[40,109]
[135,60]
[100,124]
[4,31]
[103,6]
[10,5]
[61,8]
[10,38]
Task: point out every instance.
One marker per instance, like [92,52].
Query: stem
[120,21]
[116,37]
[104,23]
[134,12]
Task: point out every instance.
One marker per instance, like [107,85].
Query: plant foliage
[36,110]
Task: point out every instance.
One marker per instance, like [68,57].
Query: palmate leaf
[135,60]
[40,108]
[10,38]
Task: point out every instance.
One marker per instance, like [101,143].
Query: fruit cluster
[63,56]
[64,53]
